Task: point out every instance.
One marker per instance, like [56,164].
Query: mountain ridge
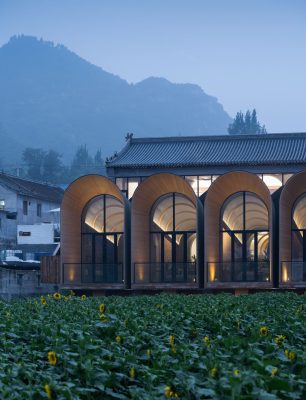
[52,98]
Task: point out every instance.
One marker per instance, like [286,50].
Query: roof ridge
[16,177]
[163,139]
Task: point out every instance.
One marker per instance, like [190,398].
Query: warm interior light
[71,275]
[204,185]
[272,182]
[93,225]
[140,273]
[212,272]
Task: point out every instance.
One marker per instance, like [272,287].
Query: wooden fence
[50,269]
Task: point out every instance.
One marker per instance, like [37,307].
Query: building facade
[225,212]
[24,204]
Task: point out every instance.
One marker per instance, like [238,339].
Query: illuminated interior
[299,213]
[273,181]
[298,242]
[104,214]
[199,184]
[173,240]
[245,236]
[102,239]
[178,214]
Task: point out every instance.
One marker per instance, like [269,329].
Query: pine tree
[82,163]
[245,125]
[53,167]
[254,123]
[247,122]
[34,159]
[237,127]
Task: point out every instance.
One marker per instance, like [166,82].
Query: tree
[237,127]
[82,162]
[248,124]
[99,165]
[34,159]
[53,167]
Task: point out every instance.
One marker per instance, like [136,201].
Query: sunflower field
[154,347]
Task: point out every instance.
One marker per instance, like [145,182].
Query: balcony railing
[293,271]
[239,271]
[74,273]
[167,272]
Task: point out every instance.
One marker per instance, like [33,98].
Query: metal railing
[293,271]
[238,271]
[168,272]
[82,273]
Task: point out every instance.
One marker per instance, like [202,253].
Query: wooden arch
[219,191]
[292,190]
[143,199]
[75,198]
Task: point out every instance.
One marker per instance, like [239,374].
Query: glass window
[121,183]
[245,239]
[2,204]
[245,211]
[25,207]
[163,214]
[286,177]
[273,181]
[233,213]
[193,182]
[226,246]
[38,210]
[263,244]
[114,215]
[102,240]
[87,248]
[173,239]
[104,214]
[204,184]
[256,213]
[297,245]
[185,215]
[299,213]
[132,186]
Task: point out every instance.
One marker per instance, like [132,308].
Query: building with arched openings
[206,212]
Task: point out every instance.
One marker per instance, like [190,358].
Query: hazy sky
[247,53]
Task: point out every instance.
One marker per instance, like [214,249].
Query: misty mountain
[52,98]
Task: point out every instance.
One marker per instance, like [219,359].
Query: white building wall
[35,234]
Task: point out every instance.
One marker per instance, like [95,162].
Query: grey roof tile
[26,187]
[278,149]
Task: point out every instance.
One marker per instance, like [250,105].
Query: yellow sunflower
[264,331]
[52,357]
[57,296]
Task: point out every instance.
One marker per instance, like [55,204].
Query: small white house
[26,202]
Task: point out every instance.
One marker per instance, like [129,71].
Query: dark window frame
[103,234]
[172,232]
[39,210]
[25,207]
[244,232]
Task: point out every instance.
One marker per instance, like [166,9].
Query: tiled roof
[283,148]
[26,187]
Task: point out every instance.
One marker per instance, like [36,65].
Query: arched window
[173,224]
[299,229]
[102,240]
[245,237]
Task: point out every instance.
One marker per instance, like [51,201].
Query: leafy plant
[154,347]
